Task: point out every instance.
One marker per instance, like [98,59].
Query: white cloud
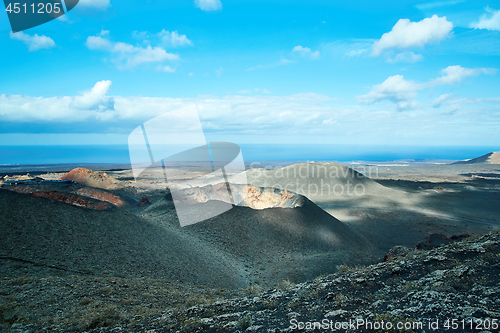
[400,91]
[409,57]
[394,88]
[455,74]
[190,74]
[173,38]
[166,69]
[406,105]
[265,91]
[305,52]
[451,99]
[208,5]
[356,52]
[98,43]
[406,34]
[93,104]
[489,21]
[127,55]
[95,98]
[35,42]
[134,55]
[441,99]
[219,71]
[95,4]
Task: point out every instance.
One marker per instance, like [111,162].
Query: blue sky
[362,72]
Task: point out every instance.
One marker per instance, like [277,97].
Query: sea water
[66,154]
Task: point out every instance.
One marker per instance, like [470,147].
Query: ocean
[110,154]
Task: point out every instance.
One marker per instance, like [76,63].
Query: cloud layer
[231,113]
[261,118]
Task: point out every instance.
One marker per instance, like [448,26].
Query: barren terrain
[70,266]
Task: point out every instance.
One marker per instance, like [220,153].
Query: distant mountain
[490,158]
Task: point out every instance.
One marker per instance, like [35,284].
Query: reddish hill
[92,178]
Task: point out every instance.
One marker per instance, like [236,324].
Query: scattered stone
[397,252]
[144,202]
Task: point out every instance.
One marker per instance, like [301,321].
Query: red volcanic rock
[68,198]
[71,199]
[144,202]
[92,178]
[101,196]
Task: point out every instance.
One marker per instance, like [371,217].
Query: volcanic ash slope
[384,216]
[278,244]
[270,245]
[330,183]
[240,247]
[58,238]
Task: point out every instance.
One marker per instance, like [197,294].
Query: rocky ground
[452,286]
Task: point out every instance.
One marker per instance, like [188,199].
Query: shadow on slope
[284,243]
[235,249]
[80,241]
